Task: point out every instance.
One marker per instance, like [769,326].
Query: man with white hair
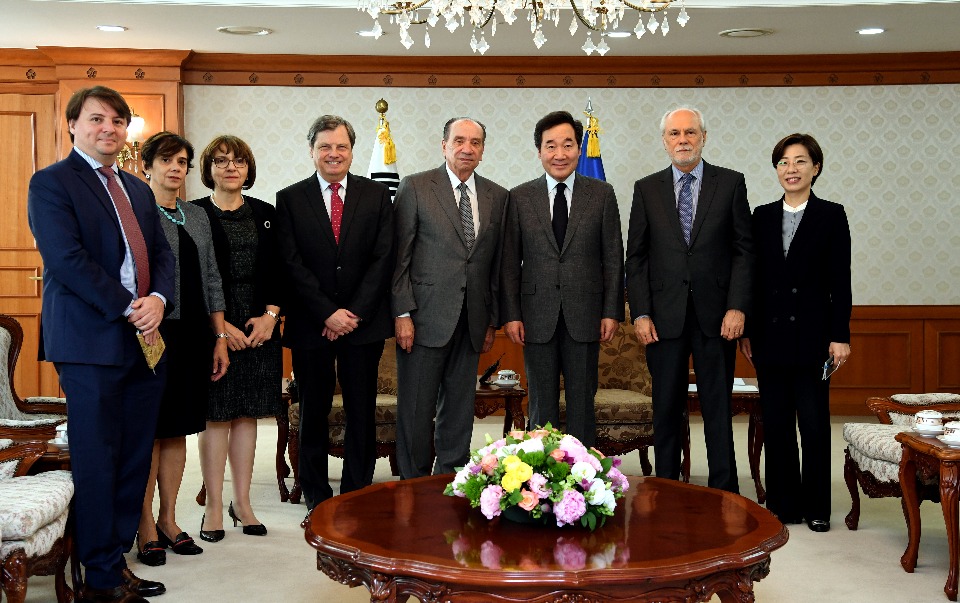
[689,272]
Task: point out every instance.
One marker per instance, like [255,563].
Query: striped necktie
[685,206]
[466,216]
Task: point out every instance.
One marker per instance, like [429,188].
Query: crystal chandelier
[597,16]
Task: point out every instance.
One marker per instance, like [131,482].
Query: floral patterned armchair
[32,418]
[34,511]
[872,455]
[623,405]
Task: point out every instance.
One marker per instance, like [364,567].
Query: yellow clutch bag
[154,352]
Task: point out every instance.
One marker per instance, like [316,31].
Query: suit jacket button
[794,290]
[689,253]
[463,289]
[774,319]
[339,267]
[792,319]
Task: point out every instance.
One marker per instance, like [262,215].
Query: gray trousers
[578,362]
[436,383]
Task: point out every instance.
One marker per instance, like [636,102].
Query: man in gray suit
[562,277]
[448,223]
[689,277]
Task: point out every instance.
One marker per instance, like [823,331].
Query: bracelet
[272,314]
[222,336]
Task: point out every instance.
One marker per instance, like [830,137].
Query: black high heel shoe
[254,530]
[210,535]
[181,545]
[151,553]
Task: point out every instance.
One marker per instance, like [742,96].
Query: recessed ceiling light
[111,28]
[245,30]
[745,32]
[870,31]
[619,34]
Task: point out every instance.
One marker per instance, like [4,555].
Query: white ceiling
[320,27]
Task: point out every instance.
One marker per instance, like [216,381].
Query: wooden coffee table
[932,458]
[668,541]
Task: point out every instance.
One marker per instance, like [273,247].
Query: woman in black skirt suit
[249,262]
[189,333]
[802,302]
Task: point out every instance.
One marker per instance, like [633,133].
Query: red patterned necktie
[131,228]
[336,210]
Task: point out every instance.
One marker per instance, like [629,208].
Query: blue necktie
[685,206]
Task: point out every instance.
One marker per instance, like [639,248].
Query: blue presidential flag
[591,164]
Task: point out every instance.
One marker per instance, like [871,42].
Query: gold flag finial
[383,134]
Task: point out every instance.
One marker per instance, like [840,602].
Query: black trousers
[713,362]
[317,372]
[792,397]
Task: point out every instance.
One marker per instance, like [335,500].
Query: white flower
[531,445]
[583,471]
[600,495]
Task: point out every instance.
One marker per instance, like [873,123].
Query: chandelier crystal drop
[599,16]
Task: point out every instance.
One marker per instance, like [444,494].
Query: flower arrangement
[542,472]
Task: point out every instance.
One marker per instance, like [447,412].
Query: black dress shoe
[181,545]
[151,553]
[819,525]
[210,535]
[141,587]
[251,530]
[119,594]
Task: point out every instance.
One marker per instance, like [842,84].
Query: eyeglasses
[221,162]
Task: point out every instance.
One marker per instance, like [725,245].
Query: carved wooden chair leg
[13,576]
[850,476]
[202,495]
[293,450]
[645,460]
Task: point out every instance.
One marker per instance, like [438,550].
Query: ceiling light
[541,17]
[745,32]
[245,30]
[113,28]
[870,31]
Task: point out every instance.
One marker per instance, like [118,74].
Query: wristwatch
[222,336]
[272,315]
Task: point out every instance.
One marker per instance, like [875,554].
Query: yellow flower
[510,482]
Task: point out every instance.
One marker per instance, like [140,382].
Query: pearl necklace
[164,213]
[224,210]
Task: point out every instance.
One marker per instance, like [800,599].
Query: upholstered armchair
[32,418]
[872,455]
[623,405]
[34,511]
[386,419]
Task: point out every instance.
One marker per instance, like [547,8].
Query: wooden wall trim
[603,72]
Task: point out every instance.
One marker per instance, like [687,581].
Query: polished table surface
[667,541]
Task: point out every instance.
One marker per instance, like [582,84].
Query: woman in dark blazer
[800,322]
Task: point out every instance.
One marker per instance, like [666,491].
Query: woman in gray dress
[195,357]
[249,262]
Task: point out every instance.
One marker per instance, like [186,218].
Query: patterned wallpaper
[889,152]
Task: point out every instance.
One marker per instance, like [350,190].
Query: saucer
[60,445]
[950,443]
[506,383]
[929,432]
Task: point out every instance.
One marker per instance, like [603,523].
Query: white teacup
[951,431]
[928,420]
[62,433]
[507,375]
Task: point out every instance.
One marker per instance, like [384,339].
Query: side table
[491,398]
[930,457]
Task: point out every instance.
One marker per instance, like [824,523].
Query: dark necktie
[466,216]
[560,214]
[336,210]
[131,229]
[685,206]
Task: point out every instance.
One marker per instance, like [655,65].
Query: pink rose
[558,455]
[529,500]
[517,435]
[489,464]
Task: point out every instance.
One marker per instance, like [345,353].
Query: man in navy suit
[108,273]
[336,239]
[689,276]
